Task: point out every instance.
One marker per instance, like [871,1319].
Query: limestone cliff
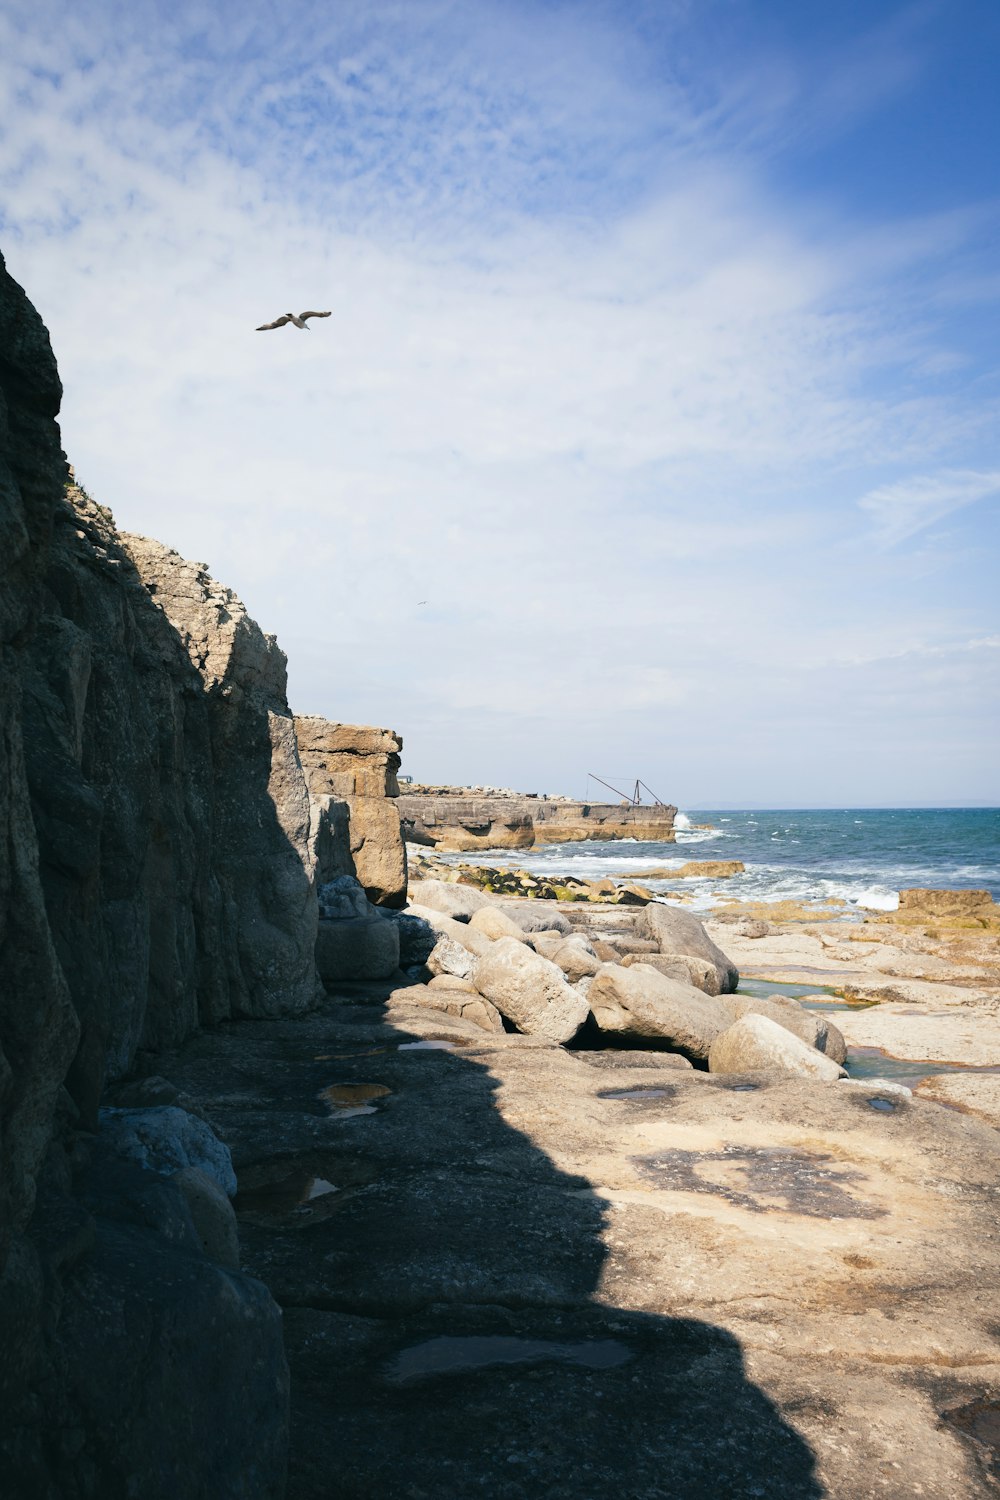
[157,871]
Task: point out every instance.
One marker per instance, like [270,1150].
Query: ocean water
[861,856]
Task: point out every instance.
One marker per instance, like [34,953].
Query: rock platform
[513,1269]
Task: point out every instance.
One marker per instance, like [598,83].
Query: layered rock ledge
[455,821]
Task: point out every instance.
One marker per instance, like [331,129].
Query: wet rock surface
[532,1271]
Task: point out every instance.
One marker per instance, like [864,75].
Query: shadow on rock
[441,1284]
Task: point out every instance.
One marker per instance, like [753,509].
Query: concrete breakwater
[455,820]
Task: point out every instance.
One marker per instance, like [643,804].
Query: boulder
[529,990]
[576,958]
[810,1027]
[166,1139]
[633,895]
[464,1004]
[357,948]
[343,897]
[678,931]
[623,943]
[641,1002]
[416,937]
[458,901]
[697,971]
[756,1044]
[532,919]
[144,1093]
[212,1214]
[494,923]
[444,926]
[449,957]
[546,943]
[452,984]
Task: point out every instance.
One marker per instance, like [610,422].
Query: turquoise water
[863,856]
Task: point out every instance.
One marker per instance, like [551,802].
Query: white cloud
[907,506]
[591,386]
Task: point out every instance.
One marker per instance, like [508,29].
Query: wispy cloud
[595,384]
[907,506]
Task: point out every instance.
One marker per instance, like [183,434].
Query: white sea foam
[682,821]
[877,900]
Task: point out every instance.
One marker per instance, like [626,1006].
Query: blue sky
[662,366]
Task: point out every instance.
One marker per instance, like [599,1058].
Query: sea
[861,856]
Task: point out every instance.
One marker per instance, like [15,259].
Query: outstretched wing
[305,315]
[278,323]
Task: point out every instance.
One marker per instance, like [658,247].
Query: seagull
[299,320]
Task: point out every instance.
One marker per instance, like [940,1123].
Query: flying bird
[298,319]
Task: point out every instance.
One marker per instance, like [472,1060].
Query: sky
[655,428]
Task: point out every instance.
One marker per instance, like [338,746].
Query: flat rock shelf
[530,1271]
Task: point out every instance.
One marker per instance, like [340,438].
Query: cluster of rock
[668,986]
[160,866]
[521,883]
[505,881]
[453,819]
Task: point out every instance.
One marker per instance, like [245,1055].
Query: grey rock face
[678,932]
[156,871]
[529,990]
[39,1029]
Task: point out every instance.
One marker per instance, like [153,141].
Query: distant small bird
[421,601]
[300,321]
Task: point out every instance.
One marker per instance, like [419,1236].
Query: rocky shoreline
[764,1282]
[319,1175]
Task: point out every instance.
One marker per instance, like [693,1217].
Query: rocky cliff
[158,863]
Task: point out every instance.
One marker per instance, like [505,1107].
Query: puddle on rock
[809,996]
[297,1193]
[449,1355]
[320,1188]
[872,1062]
[347,1099]
[652,1092]
[298,1190]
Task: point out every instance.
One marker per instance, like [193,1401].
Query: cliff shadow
[450,1313]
